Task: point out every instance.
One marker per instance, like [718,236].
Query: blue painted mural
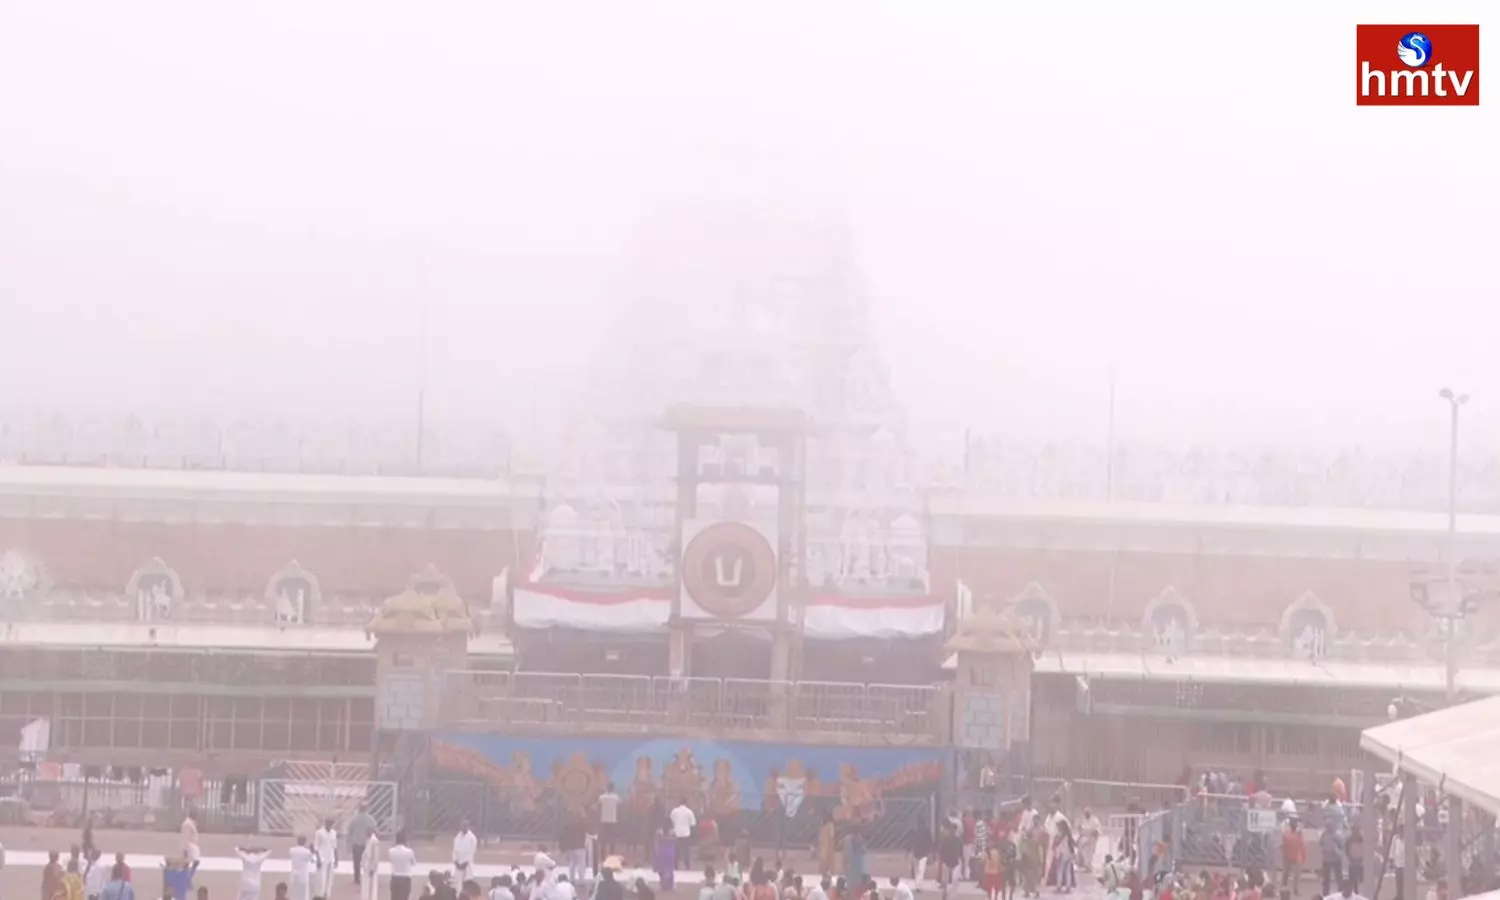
[853,784]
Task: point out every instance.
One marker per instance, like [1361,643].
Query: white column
[1409,836]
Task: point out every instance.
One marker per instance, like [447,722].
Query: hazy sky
[237,207]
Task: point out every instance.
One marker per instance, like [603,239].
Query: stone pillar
[781,655]
[1409,837]
[1486,850]
[1369,824]
[422,649]
[781,677]
[679,653]
[1453,849]
[992,690]
[679,650]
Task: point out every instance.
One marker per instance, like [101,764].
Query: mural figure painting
[778,793]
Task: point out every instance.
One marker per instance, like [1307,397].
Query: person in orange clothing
[994,871]
[1293,856]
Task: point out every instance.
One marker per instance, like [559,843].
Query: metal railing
[335,610]
[131,667]
[147,804]
[867,713]
[253,443]
[1083,793]
[1074,795]
[497,812]
[1219,830]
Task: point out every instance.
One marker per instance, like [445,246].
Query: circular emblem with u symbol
[729,568]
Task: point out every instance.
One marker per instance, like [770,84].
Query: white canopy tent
[1456,749]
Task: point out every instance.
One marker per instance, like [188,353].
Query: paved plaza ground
[26,850]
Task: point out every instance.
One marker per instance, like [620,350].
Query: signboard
[1260,821]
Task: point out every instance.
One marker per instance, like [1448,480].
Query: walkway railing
[864,713]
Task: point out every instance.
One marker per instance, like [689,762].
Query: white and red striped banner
[645,611]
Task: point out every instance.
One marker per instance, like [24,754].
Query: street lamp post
[1454,851]
[1455,595]
[1450,611]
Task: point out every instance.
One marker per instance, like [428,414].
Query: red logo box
[1443,71]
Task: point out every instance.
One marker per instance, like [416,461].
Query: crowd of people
[86,875]
[1019,850]
[1011,849]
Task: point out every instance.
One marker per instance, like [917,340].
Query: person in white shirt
[820,890]
[95,875]
[1348,893]
[543,864]
[562,889]
[369,880]
[189,833]
[1028,814]
[900,890]
[609,821]
[1053,825]
[500,888]
[326,849]
[1397,860]
[465,845]
[251,860]
[403,861]
[1053,819]
[299,871]
[683,823]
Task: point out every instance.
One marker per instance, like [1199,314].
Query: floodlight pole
[1455,608]
[1454,849]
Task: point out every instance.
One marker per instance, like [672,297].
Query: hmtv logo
[1417,65]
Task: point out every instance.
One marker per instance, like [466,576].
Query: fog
[273,207]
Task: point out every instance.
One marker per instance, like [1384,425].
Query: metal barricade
[866,713]
[1151,840]
[217,805]
[560,692]
[903,709]
[694,702]
[289,806]
[493,697]
[993,802]
[1102,796]
[1220,830]
[831,706]
[616,699]
[514,813]
[750,703]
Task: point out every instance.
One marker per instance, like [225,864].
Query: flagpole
[1109,444]
[536,437]
[1109,484]
[421,366]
